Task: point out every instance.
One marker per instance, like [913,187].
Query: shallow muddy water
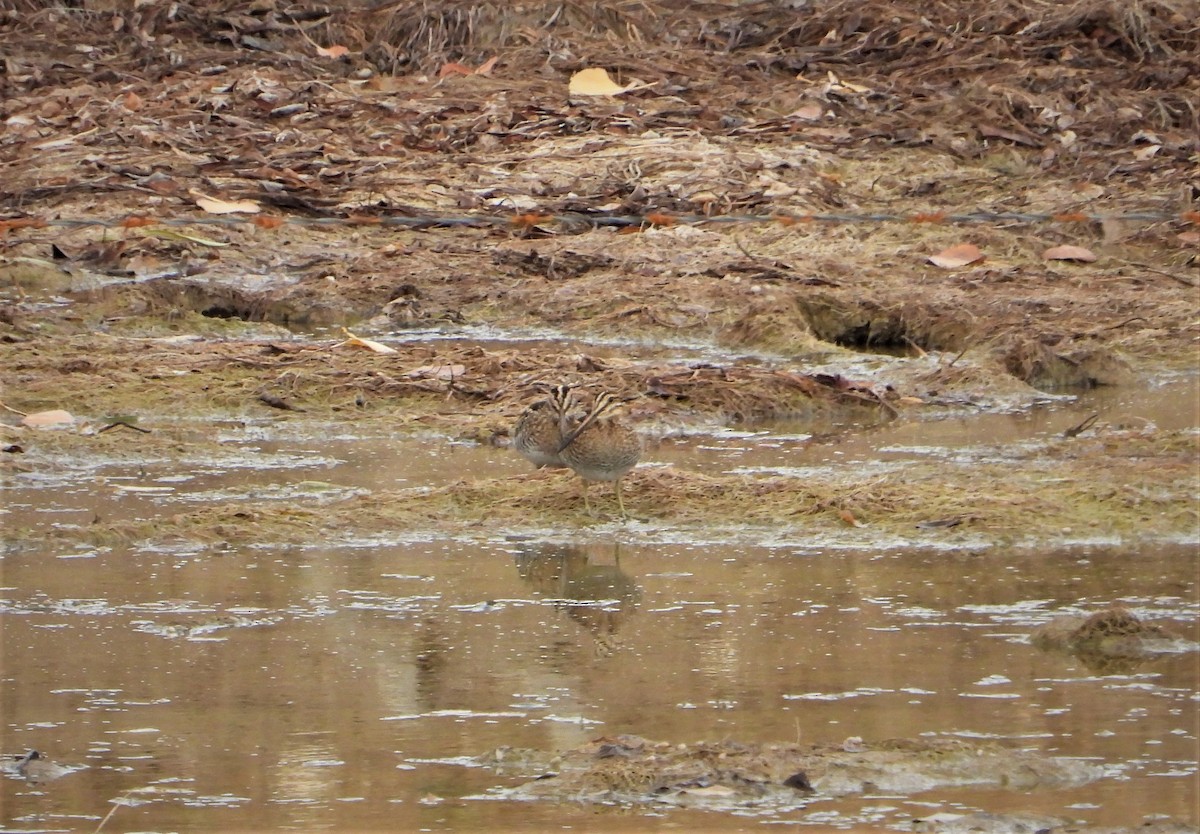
[346,687]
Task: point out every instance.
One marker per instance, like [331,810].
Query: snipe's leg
[620,503]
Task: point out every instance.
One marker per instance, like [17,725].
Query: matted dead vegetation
[756,107]
[730,774]
[1113,641]
[480,388]
[1021,106]
[1118,483]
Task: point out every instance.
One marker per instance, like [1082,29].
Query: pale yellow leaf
[595,81]
[369,344]
[832,82]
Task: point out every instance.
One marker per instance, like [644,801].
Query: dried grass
[1122,484]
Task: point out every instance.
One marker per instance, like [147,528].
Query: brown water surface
[345,687]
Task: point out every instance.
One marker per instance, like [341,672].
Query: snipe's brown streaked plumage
[600,447]
[538,434]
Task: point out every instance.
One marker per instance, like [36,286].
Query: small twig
[117,803]
[123,424]
[1127,321]
[1080,428]
[975,344]
[739,245]
[277,402]
[920,350]
[959,355]
[1170,275]
[13,410]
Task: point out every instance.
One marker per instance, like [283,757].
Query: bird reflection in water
[35,769]
[597,596]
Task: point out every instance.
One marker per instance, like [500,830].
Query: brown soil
[364,164]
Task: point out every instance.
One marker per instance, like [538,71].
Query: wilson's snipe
[538,435]
[599,447]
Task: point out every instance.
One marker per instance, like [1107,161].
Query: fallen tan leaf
[45,419]
[437,372]
[1069,253]
[711,790]
[487,66]
[992,131]
[214,206]
[956,256]
[808,113]
[1115,229]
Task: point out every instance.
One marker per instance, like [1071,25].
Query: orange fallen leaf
[268,222]
[453,68]
[45,419]
[956,256]
[335,51]
[487,66]
[848,517]
[1069,253]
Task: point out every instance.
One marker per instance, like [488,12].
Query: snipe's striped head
[538,433]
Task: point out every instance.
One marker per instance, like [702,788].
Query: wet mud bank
[900,302]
